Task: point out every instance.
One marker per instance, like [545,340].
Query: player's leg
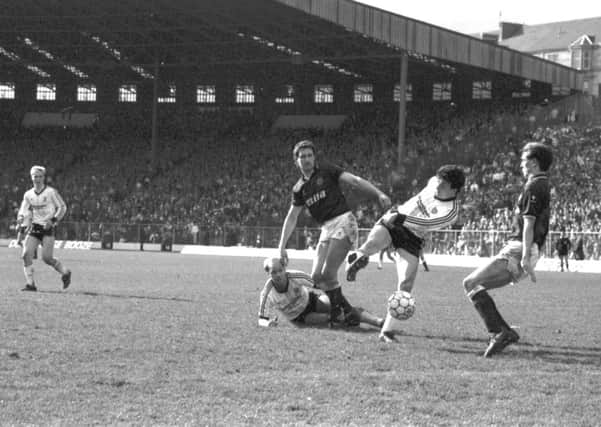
[377,240]
[336,253]
[491,275]
[48,258]
[29,248]
[317,269]
[406,266]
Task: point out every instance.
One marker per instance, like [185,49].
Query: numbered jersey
[44,206]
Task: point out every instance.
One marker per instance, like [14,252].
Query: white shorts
[512,252]
[339,227]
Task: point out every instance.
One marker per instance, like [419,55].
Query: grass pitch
[168,339]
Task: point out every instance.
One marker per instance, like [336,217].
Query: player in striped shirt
[292,293]
[47,209]
[404,228]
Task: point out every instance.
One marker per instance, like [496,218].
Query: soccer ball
[401,305]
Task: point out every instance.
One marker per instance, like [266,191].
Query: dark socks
[487,309]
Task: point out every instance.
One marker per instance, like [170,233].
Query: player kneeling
[293,294]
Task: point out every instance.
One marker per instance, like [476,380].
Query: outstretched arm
[367,187]
[287,229]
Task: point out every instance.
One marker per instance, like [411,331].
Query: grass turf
[168,339]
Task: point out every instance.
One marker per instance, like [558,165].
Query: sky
[476,16]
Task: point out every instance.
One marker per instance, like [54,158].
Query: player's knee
[470,283]
[27,258]
[48,259]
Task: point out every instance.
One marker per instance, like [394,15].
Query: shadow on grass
[102,294]
[569,355]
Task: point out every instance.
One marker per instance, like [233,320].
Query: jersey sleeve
[442,218]
[24,208]
[531,201]
[61,207]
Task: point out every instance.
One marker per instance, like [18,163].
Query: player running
[47,209]
[404,228]
[293,294]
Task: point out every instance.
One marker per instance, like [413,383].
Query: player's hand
[266,323]
[20,238]
[284,257]
[48,226]
[528,268]
[384,201]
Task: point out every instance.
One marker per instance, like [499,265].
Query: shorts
[38,231]
[512,252]
[403,238]
[310,308]
[339,227]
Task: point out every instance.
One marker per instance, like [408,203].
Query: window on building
[169,94]
[442,91]
[128,93]
[523,91]
[285,95]
[586,60]
[323,94]
[245,94]
[7,90]
[86,93]
[46,92]
[206,94]
[364,93]
[396,97]
[482,90]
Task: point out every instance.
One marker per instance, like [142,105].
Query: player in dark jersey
[319,190]
[563,246]
[519,256]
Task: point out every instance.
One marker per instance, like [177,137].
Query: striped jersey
[425,212]
[290,303]
[44,206]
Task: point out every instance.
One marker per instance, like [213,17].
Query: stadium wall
[545,264]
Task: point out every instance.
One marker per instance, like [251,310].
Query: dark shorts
[403,238]
[39,233]
[310,308]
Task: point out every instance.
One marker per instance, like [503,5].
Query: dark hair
[541,153]
[305,143]
[453,174]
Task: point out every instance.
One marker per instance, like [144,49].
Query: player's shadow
[568,355]
[110,295]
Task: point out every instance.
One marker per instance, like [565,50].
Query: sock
[28,270]
[487,310]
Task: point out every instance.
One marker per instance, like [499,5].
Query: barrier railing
[450,242]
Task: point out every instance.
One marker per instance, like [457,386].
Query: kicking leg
[377,240]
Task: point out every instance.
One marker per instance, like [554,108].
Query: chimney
[510,29]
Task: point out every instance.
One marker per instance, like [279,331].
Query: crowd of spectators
[205,172]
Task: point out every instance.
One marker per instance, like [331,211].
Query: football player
[47,209]
[319,190]
[404,227]
[293,294]
[519,256]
